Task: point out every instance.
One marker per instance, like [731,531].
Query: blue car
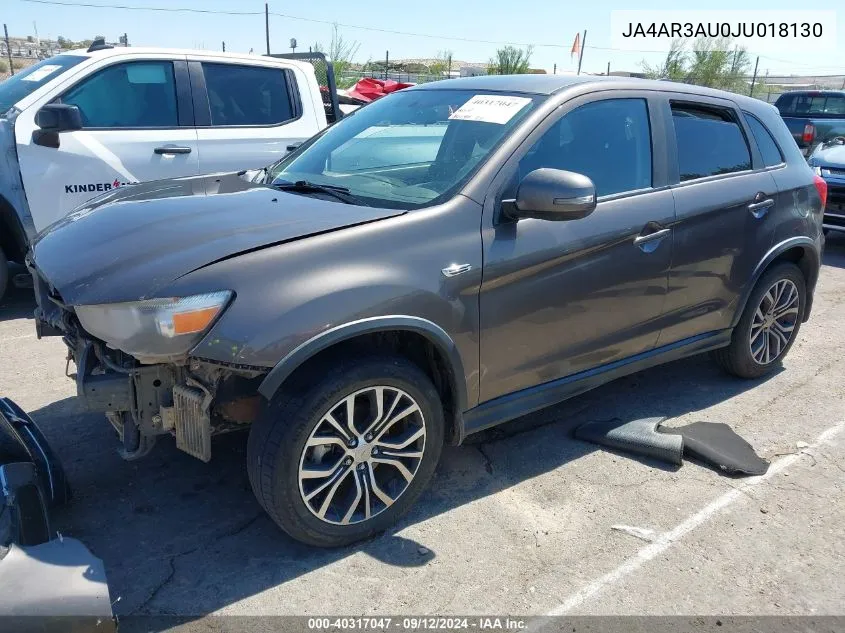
[828,161]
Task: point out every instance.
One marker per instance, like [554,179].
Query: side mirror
[554,194]
[54,118]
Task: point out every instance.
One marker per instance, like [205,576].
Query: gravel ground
[517,522]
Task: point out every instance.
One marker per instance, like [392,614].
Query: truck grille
[192,422]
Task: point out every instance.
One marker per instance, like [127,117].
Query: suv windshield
[30,79]
[410,149]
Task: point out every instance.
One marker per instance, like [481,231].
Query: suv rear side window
[128,95]
[608,141]
[765,141]
[247,95]
[710,142]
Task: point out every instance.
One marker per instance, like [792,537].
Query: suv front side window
[608,141]
[138,94]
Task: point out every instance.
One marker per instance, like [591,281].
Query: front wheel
[342,458]
[769,325]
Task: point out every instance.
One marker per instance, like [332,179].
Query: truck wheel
[4,273]
[769,324]
[342,457]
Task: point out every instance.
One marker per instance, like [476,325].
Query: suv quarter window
[769,149]
[709,139]
[136,94]
[248,95]
[608,141]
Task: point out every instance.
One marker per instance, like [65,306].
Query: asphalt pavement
[518,521]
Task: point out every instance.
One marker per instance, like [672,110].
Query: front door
[559,298]
[137,126]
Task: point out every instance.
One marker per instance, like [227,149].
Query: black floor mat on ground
[637,436]
[718,444]
[713,443]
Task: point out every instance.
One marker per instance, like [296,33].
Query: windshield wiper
[304,186]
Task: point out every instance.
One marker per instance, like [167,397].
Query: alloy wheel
[362,455]
[774,322]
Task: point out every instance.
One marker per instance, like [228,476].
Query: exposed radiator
[192,422]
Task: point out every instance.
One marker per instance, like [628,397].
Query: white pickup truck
[86,121]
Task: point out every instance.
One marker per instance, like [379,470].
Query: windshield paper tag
[41,73]
[490,109]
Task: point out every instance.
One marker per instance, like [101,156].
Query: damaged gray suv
[446,259]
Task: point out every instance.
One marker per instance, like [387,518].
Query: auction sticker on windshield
[490,109]
[41,73]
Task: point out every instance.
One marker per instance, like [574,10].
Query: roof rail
[99,45]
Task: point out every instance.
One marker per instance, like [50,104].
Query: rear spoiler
[325,78]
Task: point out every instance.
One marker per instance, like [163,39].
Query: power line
[136,8]
[374,29]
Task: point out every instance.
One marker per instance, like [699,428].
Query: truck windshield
[28,80]
[410,149]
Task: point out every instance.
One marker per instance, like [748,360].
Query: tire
[4,273]
[284,455]
[739,357]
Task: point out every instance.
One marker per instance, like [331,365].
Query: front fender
[433,332]
[296,298]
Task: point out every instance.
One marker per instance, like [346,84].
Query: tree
[715,63]
[341,52]
[673,67]
[63,42]
[441,63]
[510,61]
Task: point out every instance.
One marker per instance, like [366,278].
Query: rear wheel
[769,324]
[343,457]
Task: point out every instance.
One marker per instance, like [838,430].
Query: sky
[429,26]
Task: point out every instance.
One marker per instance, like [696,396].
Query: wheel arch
[422,341]
[801,251]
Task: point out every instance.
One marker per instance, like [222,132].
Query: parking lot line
[667,539]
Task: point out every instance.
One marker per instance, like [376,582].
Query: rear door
[248,112]
[137,125]
[724,196]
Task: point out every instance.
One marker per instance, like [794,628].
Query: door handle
[759,209]
[649,242]
[172,149]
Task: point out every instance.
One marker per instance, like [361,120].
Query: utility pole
[754,78]
[554,70]
[608,69]
[267,25]
[449,75]
[583,46]
[386,62]
[224,47]
[9,50]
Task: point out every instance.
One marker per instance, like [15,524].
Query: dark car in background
[449,258]
[828,161]
[813,116]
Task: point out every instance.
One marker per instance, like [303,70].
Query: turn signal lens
[195,321]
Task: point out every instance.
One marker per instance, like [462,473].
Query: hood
[830,156]
[131,242]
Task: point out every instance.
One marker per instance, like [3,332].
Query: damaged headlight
[155,327]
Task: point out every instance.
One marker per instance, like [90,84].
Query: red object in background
[370,89]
